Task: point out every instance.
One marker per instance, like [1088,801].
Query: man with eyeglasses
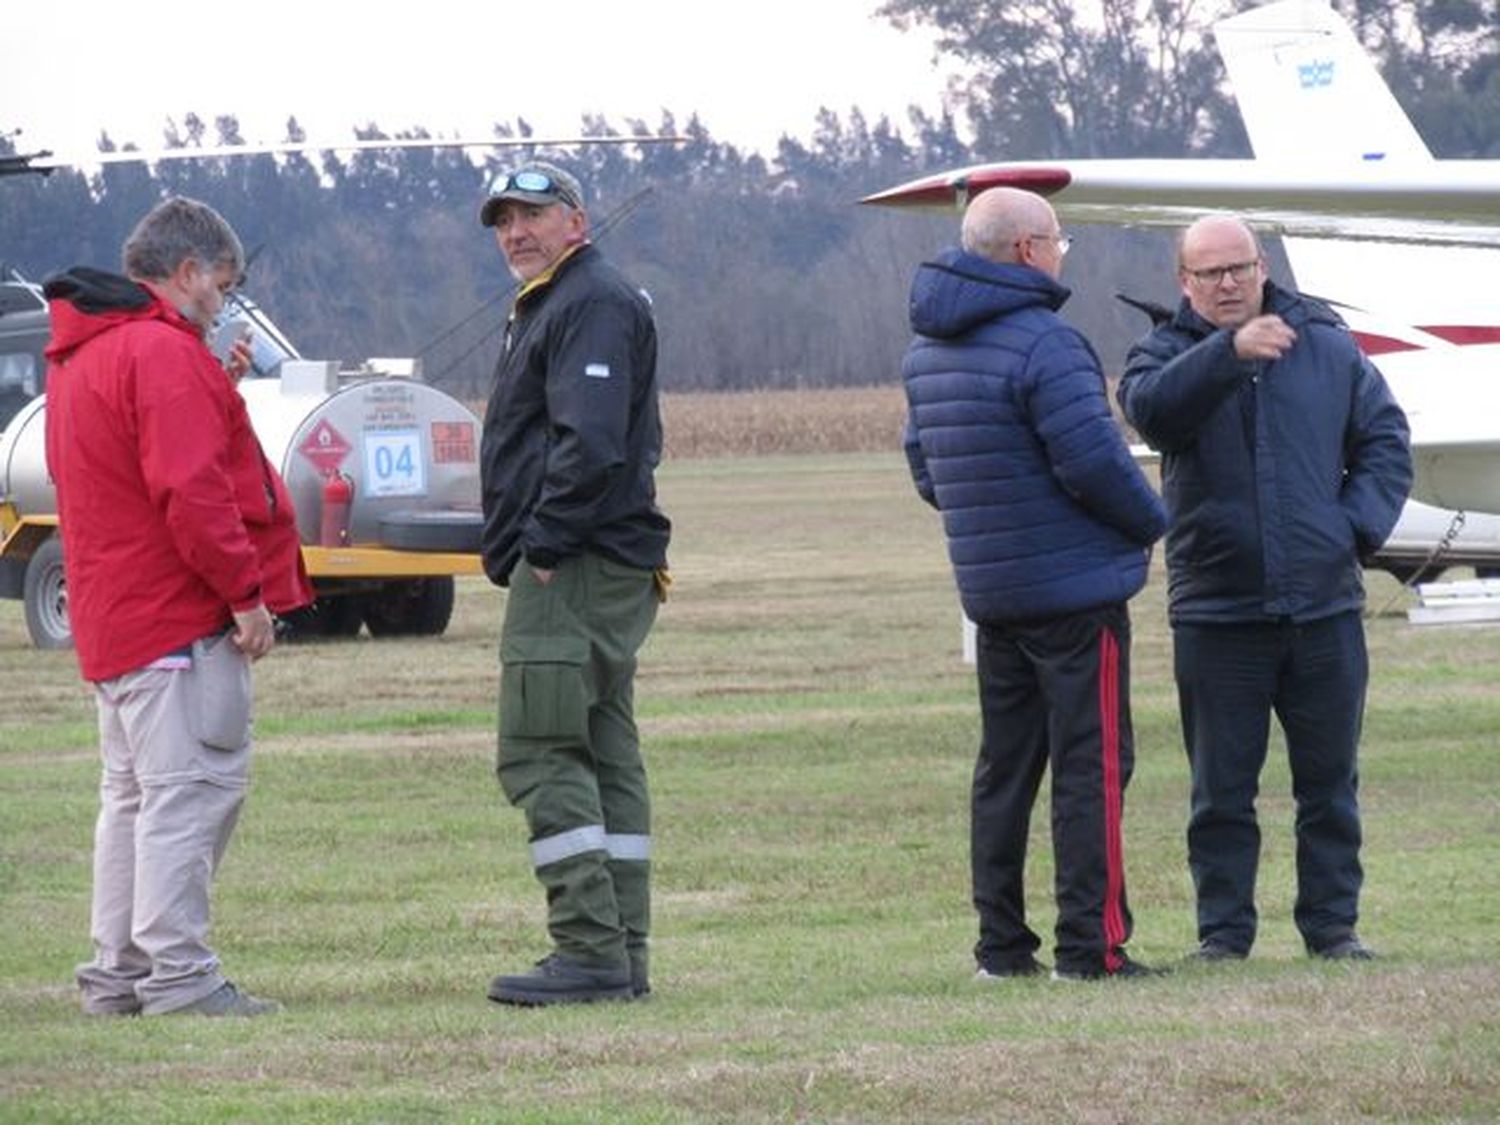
[1285,459]
[179,541]
[571,440]
[1049,524]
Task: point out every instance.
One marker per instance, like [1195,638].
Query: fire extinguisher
[338,499]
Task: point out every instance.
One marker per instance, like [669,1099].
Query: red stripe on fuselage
[1465,333]
[1373,343]
[1114,845]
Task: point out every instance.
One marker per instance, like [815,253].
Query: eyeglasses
[1063,241]
[1214,275]
[529,179]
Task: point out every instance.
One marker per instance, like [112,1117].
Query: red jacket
[170,514]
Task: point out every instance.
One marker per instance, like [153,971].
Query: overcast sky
[752,70]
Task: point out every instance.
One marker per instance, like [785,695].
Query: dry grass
[734,424]
[791,422]
[810,732]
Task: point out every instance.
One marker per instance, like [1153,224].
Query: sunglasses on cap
[531,180]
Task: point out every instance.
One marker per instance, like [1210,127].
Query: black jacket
[572,434]
[1278,476]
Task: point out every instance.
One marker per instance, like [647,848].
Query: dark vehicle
[23,335]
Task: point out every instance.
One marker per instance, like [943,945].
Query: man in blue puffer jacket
[1049,525]
[1284,460]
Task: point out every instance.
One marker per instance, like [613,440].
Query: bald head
[1221,270]
[1011,225]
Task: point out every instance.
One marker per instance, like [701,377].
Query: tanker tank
[398,457]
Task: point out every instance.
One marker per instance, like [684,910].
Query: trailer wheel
[327,618]
[342,616]
[420,607]
[45,590]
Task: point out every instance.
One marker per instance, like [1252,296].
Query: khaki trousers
[168,803]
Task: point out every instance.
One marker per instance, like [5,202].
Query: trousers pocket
[221,693]
[543,690]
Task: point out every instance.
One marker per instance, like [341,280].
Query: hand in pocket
[221,693]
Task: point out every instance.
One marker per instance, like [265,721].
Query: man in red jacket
[179,541]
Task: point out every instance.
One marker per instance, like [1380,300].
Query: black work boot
[560,980]
[640,972]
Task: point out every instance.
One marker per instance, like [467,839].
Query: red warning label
[452,443]
[325,447]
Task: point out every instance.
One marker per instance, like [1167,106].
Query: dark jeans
[1230,678]
[1058,692]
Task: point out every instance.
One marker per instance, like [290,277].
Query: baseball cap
[538,183]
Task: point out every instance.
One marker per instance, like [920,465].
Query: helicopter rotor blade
[45,161]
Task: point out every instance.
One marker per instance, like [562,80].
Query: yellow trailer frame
[335,571]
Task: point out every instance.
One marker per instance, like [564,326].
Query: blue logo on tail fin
[1314,74]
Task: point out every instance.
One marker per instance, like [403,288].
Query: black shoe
[1349,949]
[640,974]
[1128,970]
[1030,967]
[1210,951]
[561,980]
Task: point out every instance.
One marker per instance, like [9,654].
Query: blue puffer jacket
[1009,435]
[1279,476]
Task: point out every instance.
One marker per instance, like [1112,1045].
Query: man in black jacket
[572,437]
[1285,459]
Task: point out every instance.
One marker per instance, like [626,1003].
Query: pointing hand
[1265,337]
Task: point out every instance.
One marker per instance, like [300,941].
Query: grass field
[810,731]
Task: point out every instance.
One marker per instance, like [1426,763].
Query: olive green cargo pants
[569,755]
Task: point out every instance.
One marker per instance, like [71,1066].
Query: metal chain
[1441,548]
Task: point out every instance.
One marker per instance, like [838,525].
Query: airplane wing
[1444,202]
[1336,157]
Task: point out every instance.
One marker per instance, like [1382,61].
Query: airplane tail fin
[1311,97]
[1309,92]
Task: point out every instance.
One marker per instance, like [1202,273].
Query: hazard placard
[325,447]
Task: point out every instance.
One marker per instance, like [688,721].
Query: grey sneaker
[561,980]
[112,1006]
[228,1001]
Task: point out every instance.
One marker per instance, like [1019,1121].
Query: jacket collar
[545,278]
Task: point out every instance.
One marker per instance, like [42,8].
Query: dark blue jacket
[1009,435]
[1279,476]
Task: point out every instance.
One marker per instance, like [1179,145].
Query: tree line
[764,270]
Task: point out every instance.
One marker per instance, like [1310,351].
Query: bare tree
[1043,80]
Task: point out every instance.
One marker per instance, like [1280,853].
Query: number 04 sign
[394,465]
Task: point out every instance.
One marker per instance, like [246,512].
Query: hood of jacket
[959,290]
[85,302]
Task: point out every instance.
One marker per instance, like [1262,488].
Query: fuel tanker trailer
[383,470]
